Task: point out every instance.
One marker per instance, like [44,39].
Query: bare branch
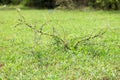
[89,38]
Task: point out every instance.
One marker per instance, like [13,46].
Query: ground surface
[21,60]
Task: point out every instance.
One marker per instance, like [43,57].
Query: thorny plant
[57,38]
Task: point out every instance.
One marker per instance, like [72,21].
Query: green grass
[19,60]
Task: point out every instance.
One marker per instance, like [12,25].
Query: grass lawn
[21,58]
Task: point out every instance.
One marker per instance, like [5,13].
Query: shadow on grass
[34,8]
